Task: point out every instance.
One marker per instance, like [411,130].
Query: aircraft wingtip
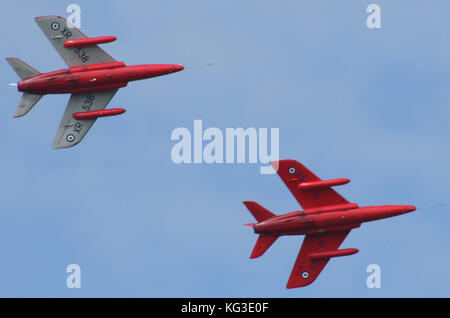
[292,285]
[47,16]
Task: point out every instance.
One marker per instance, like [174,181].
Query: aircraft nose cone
[409,208]
[177,68]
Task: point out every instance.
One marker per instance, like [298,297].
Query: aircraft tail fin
[262,245]
[259,212]
[21,68]
[26,103]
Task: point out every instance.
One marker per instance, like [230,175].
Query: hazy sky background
[369,105]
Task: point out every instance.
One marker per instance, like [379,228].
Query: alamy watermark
[236,145]
[374,279]
[373,21]
[73,280]
[74,19]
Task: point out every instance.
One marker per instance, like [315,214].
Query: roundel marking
[70,137]
[305,275]
[55,26]
[292,170]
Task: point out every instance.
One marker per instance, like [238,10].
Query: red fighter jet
[93,77]
[326,220]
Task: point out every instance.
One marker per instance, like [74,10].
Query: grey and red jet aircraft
[326,220]
[93,77]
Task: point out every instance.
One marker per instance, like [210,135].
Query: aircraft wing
[71,131]
[58,30]
[293,173]
[306,270]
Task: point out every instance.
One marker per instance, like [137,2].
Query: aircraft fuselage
[316,222]
[97,77]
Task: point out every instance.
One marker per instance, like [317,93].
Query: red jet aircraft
[93,77]
[326,220]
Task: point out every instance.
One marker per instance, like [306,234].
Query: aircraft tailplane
[26,103]
[21,68]
[259,212]
[262,245]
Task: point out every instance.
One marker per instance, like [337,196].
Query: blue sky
[369,105]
